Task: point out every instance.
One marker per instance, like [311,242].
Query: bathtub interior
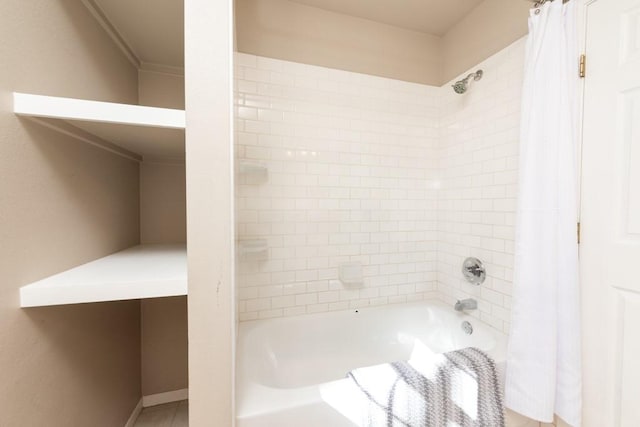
[293,365]
[317,348]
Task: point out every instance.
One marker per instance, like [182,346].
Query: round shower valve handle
[473,270]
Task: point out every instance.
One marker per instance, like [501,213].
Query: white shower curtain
[543,361]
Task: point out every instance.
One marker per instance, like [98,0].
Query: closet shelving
[144,271]
[133,131]
[136,132]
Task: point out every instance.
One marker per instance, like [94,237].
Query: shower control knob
[473,271]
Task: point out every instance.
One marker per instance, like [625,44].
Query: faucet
[466,304]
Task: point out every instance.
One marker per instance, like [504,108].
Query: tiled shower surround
[401,178]
[478,162]
[352,161]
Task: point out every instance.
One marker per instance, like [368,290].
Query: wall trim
[124,46]
[134,415]
[166,397]
[113,32]
[161,68]
[177,160]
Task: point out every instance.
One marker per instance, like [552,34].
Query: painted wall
[63,203]
[351,160]
[163,220]
[164,320]
[294,32]
[162,203]
[479,141]
[158,89]
[290,31]
[165,365]
[487,29]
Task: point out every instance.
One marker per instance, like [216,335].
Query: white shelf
[146,271]
[131,130]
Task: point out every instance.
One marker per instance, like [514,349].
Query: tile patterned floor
[174,414]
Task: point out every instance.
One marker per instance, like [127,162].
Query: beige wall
[160,89]
[487,29]
[164,320]
[62,203]
[286,30]
[163,220]
[164,345]
[162,203]
[210,244]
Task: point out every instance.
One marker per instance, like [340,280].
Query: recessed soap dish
[255,249]
[253,172]
[351,274]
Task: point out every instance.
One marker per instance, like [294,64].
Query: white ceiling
[153,29]
[427,16]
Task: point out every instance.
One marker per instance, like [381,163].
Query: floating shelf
[145,271]
[133,131]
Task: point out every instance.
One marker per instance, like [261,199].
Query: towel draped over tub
[459,388]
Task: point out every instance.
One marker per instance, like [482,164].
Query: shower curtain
[543,360]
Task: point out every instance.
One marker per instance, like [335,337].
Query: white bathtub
[291,371]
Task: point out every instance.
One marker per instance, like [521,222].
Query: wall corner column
[209,177]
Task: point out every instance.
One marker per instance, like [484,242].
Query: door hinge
[583,66]
[578,233]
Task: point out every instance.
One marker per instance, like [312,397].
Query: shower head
[461,86]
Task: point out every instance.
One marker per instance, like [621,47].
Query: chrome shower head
[461,86]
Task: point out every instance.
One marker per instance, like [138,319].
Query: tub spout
[466,304]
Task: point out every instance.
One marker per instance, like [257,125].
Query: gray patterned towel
[459,388]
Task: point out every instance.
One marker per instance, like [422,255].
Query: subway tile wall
[478,159]
[352,162]
[405,179]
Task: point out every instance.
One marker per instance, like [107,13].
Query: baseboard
[166,397]
[134,415]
